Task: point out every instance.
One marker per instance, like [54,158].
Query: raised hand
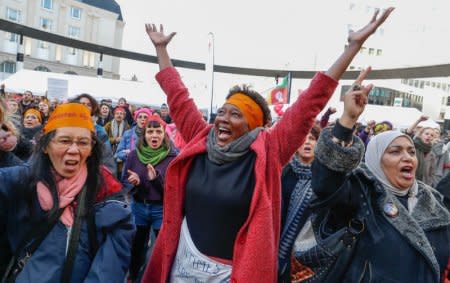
[332,110]
[423,118]
[158,38]
[133,178]
[356,40]
[151,172]
[361,35]
[355,100]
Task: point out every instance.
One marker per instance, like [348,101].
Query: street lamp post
[210,70]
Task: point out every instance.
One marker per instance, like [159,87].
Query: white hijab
[375,150]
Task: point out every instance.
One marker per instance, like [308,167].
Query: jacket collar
[429,214]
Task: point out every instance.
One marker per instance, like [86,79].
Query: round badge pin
[390,209]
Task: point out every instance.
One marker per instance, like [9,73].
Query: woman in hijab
[404,229]
[63,218]
[222,196]
[143,175]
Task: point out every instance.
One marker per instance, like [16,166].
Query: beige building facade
[98,22]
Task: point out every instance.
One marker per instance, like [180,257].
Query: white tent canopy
[134,92]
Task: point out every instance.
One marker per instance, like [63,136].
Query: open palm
[362,34]
[158,38]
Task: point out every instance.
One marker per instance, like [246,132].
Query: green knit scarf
[148,155]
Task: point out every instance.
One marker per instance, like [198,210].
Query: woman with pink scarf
[62,217]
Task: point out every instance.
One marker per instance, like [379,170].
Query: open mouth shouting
[407,172]
[223,133]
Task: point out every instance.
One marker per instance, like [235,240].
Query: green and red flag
[280,93]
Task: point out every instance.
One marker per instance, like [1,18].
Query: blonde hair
[4,117]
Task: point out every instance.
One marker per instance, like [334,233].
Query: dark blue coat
[8,159]
[114,234]
[405,248]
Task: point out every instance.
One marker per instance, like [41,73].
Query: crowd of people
[96,192]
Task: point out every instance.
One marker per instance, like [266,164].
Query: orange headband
[35,113]
[249,108]
[69,115]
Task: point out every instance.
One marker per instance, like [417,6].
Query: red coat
[256,245]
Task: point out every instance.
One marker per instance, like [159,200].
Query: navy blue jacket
[406,248]
[114,234]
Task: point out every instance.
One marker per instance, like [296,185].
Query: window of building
[45,24]
[47,4]
[8,67]
[70,73]
[379,52]
[75,12]
[42,69]
[12,15]
[438,85]
[427,83]
[74,32]
[416,83]
[371,51]
[422,84]
[433,84]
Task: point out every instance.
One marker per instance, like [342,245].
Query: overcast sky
[283,34]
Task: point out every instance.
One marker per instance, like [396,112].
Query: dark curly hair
[256,97]
[315,131]
[94,104]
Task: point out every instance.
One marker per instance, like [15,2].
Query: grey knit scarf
[231,151]
[422,149]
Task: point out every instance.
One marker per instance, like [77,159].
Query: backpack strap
[29,245]
[74,238]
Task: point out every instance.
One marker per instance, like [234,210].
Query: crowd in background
[96,191]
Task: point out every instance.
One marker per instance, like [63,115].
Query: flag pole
[210,72]
[289,88]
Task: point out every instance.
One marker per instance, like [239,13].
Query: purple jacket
[146,190]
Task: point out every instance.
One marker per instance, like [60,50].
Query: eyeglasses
[65,142]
